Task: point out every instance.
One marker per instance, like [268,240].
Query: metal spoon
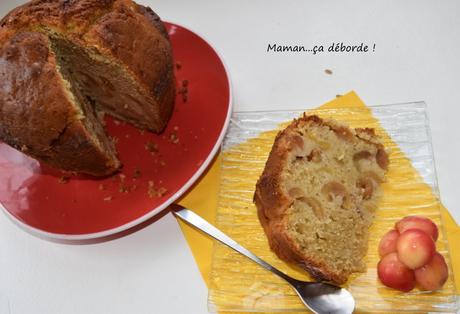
[317,296]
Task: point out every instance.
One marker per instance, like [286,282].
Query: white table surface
[153,271]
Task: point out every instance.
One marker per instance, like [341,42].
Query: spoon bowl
[323,297]
[319,297]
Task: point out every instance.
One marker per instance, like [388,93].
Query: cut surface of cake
[317,195]
[64,62]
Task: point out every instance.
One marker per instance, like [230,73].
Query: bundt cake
[64,63]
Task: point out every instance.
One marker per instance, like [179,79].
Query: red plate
[87,208]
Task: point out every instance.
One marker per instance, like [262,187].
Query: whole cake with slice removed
[64,63]
[317,195]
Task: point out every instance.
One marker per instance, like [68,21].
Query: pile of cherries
[409,257]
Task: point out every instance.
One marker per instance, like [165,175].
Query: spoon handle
[193,219]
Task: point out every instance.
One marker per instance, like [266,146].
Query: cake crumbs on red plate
[122,177]
[142,131]
[183,91]
[178,65]
[137,173]
[127,136]
[173,138]
[155,192]
[151,147]
[162,163]
[108,198]
[123,188]
[176,128]
[64,180]
[117,122]
[150,190]
[101,187]
[162,191]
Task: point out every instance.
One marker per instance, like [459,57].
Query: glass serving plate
[237,284]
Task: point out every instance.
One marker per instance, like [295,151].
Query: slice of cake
[317,195]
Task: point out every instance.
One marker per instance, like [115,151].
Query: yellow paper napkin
[203,200]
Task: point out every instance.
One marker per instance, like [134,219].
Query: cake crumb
[176,128]
[142,131]
[328,71]
[173,138]
[151,190]
[162,191]
[151,147]
[178,65]
[183,91]
[114,140]
[64,180]
[24,148]
[108,198]
[137,173]
[122,177]
[123,188]
[162,163]
[101,187]
[116,122]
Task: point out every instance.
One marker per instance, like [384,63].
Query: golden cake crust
[113,26]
